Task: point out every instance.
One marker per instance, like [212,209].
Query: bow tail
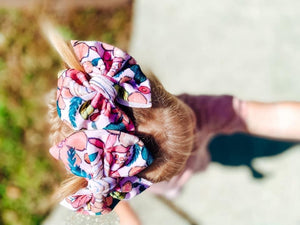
[86,203]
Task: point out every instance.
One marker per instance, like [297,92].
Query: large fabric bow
[103,148]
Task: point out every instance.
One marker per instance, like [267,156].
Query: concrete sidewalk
[246,48]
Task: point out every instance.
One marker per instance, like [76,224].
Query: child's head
[166,129]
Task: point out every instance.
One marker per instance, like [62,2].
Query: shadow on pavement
[241,149]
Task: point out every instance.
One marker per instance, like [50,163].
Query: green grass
[28,68]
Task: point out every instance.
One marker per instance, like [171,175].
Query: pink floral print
[103,148]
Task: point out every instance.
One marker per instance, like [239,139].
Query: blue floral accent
[76,170]
[125,66]
[75,103]
[119,126]
[135,154]
[139,77]
[147,156]
[94,126]
[58,109]
[95,61]
[93,156]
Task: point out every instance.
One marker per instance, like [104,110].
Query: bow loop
[100,59]
[110,163]
[111,75]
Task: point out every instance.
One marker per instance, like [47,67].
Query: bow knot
[105,86]
[101,187]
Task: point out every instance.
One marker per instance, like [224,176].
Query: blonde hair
[167,129]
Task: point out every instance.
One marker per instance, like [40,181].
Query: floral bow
[103,148]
